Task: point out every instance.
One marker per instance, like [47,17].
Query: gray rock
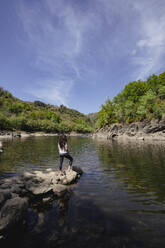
[4,195]
[133,129]
[59,189]
[112,136]
[46,199]
[154,128]
[35,184]
[78,170]
[40,190]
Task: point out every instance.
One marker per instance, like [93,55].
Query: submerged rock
[12,212]
[17,192]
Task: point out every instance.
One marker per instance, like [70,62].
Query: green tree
[106,114]
[161,92]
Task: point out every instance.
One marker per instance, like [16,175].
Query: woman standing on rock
[63,152]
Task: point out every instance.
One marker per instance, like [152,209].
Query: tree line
[139,101]
[16,114]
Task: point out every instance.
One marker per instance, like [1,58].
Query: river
[118,202]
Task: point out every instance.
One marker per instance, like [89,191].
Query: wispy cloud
[151,45]
[52,91]
[54,36]
[88,41]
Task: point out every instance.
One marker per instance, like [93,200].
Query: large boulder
[17,192]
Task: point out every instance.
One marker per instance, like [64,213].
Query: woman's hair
[62,140]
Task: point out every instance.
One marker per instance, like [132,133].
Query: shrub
[82,128]
[18,123]
[161,92]
[16,107]
[4,122]
[50,115]
[64,127]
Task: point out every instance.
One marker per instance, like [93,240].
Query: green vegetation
[139,101]
[38,116]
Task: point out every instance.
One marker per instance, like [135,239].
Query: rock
[33,185]
[154,128]
[47,200]
[78,170]
[140,138]
[71,176]
[59,189]
[134,129]
[40,190]
[12,212]
[112,136]
[4,195]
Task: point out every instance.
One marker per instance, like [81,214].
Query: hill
[139,101]
[16,114]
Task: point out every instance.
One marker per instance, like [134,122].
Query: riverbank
[22,134]
[151,130]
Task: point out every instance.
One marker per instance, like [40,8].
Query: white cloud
[53,91]
[151,45]
[54,36]
[68,43]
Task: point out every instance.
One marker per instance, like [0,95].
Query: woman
[63,152]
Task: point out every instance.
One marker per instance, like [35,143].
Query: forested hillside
[139,101]
[16,114]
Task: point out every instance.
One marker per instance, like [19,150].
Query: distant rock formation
[141,130]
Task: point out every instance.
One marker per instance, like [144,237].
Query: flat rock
[40,190]
[16,192]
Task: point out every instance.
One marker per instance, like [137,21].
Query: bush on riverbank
[139,101]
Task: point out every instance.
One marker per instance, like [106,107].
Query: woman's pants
[65,155]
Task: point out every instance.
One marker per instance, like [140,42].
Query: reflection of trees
[29,151]
[26,153]
[139,165]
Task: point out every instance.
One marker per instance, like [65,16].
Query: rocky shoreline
[151,130]
[18,192]
[22,134]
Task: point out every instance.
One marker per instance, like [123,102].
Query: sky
[79,52]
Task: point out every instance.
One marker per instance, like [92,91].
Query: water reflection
[68,224]
[118,202]
[140,167]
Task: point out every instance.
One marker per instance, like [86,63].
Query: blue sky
[79,52]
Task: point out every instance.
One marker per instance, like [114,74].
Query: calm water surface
[118,202]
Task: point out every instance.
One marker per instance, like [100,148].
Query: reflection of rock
[12,212]
[32,185]
[1,148]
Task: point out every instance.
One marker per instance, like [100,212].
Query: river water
[118,202]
